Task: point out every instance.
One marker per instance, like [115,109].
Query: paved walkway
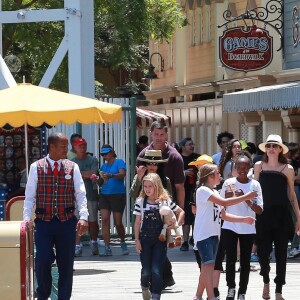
[117,277]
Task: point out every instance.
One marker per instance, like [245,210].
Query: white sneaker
[294,253]
[231,294]
[100,243]
[94,248]
[78,251]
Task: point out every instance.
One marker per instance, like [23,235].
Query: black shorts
[112,202]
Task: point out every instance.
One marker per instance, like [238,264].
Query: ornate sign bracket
[270,15]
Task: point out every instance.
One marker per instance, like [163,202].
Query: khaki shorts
[112,202]
[92,207]
[93,211]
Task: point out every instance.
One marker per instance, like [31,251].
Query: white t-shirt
[139,210]
[208,215]
[242,209]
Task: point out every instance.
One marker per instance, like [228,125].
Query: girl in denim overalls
[148,226]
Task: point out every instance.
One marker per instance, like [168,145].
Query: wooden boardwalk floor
[118,277]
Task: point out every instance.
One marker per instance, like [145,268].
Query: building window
[200,27]
[207,23]
[192,29]
[170,54]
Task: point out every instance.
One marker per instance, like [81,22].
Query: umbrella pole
[26,148]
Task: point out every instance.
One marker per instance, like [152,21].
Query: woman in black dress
[275,224]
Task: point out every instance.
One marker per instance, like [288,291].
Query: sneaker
[78,251]
[100,243]
[168,282]
[94,248]
[294,253]
[254,258]
[184,247]
[124,248]
[230,294]
[146,293]
[241,297]
[106,251]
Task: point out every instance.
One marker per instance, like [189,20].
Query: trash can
[16,260]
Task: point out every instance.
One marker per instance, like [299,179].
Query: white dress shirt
[31,189]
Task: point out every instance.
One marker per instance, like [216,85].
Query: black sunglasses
[275,146]
[152,164]
[105,153]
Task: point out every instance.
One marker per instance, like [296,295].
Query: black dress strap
[283,168]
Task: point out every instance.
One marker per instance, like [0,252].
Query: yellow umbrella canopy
[34,105]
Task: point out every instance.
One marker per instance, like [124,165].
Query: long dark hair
[160,172]
[281,158]
[227,157]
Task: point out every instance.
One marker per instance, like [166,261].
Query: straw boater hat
[274,139]
[202,160]
[153,156]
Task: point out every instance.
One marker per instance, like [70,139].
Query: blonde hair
[205,171]
[159,191]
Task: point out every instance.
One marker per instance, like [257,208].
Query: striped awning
[144,118]
[280,96]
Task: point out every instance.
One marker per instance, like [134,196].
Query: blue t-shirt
[113,185]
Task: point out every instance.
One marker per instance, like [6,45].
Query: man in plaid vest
[54,185]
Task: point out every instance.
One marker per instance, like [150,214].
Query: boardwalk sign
[248,50]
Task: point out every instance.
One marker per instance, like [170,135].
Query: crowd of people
[238,202]
[232,208]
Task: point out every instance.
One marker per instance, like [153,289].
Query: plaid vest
[55,196]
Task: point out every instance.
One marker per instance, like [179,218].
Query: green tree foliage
[34,43]
[122,31]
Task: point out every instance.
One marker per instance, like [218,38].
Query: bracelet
[251,204]
[111,175]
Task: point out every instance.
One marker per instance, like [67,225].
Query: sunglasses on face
[105,154]
[274,146]
[152,164]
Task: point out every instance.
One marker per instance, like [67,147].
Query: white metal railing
[118,136]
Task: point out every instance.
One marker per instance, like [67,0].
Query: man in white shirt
[54,185]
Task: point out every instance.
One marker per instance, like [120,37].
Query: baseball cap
[79,142]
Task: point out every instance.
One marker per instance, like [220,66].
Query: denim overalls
[154,251]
